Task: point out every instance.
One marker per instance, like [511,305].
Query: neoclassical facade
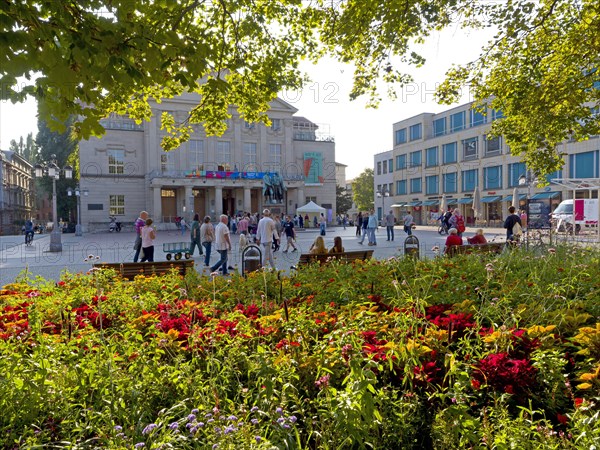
[451,153]
[127,171]
[16,192]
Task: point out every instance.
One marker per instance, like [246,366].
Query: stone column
[156,212]
[218,201]
[247,200]
[300,197]
[189,201]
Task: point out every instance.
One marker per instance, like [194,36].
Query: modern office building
[451,153]
[384,183]
[16,192]
[127,171]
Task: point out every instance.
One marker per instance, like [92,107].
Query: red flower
[505,374]
[578,401]
[562,418]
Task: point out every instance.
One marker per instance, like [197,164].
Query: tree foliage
[94,57]
[343,201]
[362,190]
[27,148]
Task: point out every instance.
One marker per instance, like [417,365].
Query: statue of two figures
[273,188]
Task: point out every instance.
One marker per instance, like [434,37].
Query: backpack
[460,224]
[517,229]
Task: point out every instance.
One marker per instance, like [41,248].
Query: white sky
[359,132]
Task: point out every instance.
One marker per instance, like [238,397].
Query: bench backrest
[490,247]
[345,256]
[130,270]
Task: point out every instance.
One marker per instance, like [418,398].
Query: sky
[359,132]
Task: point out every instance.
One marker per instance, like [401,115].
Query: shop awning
[414,203]
[398,205]
[542,195]
[465,201]
[491,199]
[431,203]
[508,198]
[452,201]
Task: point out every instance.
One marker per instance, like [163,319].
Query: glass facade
[449,153]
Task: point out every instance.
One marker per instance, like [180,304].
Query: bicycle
[28,237]
[443,228]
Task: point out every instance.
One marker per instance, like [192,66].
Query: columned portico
[217,202]
[156,211]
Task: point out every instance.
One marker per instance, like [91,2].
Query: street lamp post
[383,193]
[78,192]
[52,170]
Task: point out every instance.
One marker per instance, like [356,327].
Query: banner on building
[313,169]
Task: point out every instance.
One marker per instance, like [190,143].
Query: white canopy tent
[311,207]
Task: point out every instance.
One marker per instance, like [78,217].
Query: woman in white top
[148,235]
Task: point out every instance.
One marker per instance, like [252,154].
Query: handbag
[138,243]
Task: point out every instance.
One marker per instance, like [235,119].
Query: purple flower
[285,425]
[174,426]
[191,417]
[254,421]
[254,409]
[215,446]
[232,418]
[258,439]
[195,411]
[139,445]
[281,420]
[193,430]
[230,429]
[189,425]
[210,420]
[279,411]
[149,428]
[293,419]
[207,415]
[200,424]
[121,435]
[118,428]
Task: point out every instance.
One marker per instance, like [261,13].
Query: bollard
[411,246]
[251,259]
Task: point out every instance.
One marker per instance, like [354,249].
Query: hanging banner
[313,169]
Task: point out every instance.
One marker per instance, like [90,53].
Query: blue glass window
[477,118]
[554,175]
[439,127]
[432,185]
[400,162]
[391,165]
[497,114]
[415,132]
[515,171]
[415,159]
[401,187]
[431,157]
[415,185]
[492,177]
[401,136]
[457,121]
[470,180]
[584,165]
[449,153]
[449,180]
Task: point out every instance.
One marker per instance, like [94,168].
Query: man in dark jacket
[510,221]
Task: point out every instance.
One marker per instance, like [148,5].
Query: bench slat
[129,270]
[490,247]
[307,258]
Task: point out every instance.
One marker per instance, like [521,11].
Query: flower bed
[394,354]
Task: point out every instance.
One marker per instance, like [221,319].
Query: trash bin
[411,246]
[251,259]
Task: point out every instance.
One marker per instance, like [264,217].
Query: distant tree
[363,190]
[65,147]
[27,148]
[343,200]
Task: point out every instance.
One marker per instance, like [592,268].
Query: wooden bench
[490,247]
[129,270]
[308,258]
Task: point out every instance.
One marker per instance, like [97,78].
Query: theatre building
[127,171]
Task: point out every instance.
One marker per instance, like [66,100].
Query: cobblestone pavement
[15,257]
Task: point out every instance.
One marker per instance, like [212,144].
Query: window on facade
[116,205]
[415,159]
[378,167]
[584,165]
[492,177]
[415,132]
[449,180]
[439,127]
[400,162]
[431,157]
[470,180]
[400,137]
[449,153]
[457,121]
[275,157]
[469,148]
[415,185]
[249,125]
[515,171]
[493,145]
[167,162]
[432,185]
[477,118]
[391,165]
[223,155]
[401,187]
[167,193]
[275,124]
[390,188]
[497,114]
[195,154]
[311,199]
[384,166]
[250,160]
[554,175]
[116,161]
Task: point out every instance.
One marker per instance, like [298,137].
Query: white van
[585,214]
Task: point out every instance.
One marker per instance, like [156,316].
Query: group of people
[366,225]
[318,246]
[455,222]
[144,240]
